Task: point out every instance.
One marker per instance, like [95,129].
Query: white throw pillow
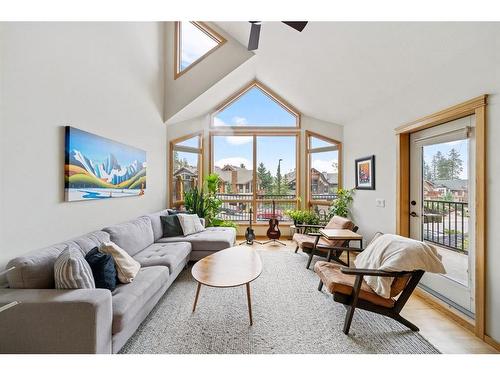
[71,270]
[190,224]
[126,266]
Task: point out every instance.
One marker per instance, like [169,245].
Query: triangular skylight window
[194,41]
[256,106]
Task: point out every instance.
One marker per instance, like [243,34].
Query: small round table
[228,268]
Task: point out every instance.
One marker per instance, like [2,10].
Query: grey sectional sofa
[52,320]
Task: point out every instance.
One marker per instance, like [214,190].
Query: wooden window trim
[199,151]
[271,94]
[476,106]
[254,134]
[309,150]
[177,45]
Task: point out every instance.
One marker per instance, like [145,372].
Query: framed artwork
[100,168]
[365,173]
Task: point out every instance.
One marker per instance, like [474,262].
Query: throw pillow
[171,226]
[103,269]
[126,266]
[190,224]
[71,270]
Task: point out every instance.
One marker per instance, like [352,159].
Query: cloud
[234,161]
[325,166]
[238,121]
[194,43]
[218,122]
[238,140]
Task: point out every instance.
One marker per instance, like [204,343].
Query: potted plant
[341,205]
[296,215]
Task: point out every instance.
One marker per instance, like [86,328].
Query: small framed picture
[365,173]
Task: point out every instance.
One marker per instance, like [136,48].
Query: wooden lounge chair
[348,287]
[313,243]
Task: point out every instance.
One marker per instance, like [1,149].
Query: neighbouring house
[185,177]
[235,180]
[438,189]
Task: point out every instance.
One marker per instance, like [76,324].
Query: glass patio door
[441,206]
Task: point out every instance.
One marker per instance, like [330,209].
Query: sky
[461,146]
[98,148]
[194,44]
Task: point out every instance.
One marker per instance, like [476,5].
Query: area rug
[290,316]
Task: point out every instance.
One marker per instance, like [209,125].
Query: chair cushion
[164,254]
[132,236]
[129,299]
[211,239]
[335,281]
[305,241]
[339,222]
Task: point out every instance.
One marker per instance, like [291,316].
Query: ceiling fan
[253,41]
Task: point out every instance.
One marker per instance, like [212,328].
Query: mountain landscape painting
[99,168]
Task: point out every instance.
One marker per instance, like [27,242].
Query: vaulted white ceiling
[335,71]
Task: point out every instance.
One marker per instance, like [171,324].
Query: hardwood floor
[441,331]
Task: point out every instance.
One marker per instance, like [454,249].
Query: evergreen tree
[264,177]
[455,165]
[427,172]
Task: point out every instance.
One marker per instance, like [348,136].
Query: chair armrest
[56,321]
[309,226]
[314,234]
[371,272]
[343,248]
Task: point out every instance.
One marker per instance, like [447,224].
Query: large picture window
[186,163]
[255,170]
[323,171]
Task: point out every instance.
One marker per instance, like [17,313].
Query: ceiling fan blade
[297,25]
[253,41]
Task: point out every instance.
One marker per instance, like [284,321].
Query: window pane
[324,175]
[276,167]
[265,211]
[194,43]
[233,162]
[317,143]
[191,142]
[185,174]
[255,108]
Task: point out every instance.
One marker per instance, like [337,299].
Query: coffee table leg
[249,300]
[196,298]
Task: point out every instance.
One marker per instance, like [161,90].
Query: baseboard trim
[458,317]
[492,342]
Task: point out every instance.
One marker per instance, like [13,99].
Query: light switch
[380,202]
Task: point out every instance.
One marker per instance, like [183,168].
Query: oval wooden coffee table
[228,268]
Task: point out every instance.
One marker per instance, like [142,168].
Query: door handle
[413,214]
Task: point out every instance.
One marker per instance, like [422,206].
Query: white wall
[307,123]
[474,72]
[105,78]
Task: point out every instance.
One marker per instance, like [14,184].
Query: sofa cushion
[130,299]
[171,226]
[156,223]
[170,255]
[132,236]
[35,270]
[211,239]
[126,266]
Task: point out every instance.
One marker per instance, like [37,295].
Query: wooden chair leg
[406,323]
[297,248]
[310,258]
[348,319]
[320,286]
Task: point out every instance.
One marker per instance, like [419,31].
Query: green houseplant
[341,205]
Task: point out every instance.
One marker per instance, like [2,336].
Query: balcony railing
[446,224]
[236,207]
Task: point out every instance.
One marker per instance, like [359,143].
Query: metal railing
[236,207]
[324,197]
[445,223]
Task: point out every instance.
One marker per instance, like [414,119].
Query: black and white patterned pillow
[71,270]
